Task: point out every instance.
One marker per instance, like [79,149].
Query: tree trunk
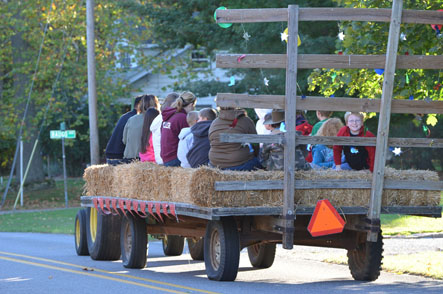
[30,129]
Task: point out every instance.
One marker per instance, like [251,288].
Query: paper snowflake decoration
[397,151]
[266,81]
[246,36]
[341,36]
[284,36]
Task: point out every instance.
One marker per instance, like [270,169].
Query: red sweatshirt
[345,132]
[173,122]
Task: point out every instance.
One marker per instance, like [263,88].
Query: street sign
[57,134]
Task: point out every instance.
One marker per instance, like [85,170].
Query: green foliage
[371,38]
[64,49]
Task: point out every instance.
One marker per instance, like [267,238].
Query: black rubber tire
[222,249]
[133,242]
[196,248]
[173,245]
[365,261]
[81,242]
[262,255]
[103,234]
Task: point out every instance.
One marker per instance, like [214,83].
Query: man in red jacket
[357,157]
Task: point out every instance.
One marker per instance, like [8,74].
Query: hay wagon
[221,212]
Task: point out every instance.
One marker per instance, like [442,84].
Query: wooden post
[290,114]
[92,92]
[383,123]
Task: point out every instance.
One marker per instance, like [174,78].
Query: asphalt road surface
[47,263]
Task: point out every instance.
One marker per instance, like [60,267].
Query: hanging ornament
[241,57]
[397,151]
[284,37]
[232,81]
[340,52]
[222,25]
[437,27]
[411,97]
[379,71]
[332,96]
[436,87]
[333,76]
[341,36]
[407,79]
[246,36]
[403,36]
[426,131]
[266,81]
[303,97]
[282,127]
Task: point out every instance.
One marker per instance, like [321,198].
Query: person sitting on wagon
[272,154]
[323,155]
[357,157]
[186,139]
[174,119]
[232,156]
[198,154]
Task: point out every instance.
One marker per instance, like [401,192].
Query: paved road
[45,263]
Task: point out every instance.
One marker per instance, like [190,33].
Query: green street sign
[57,134]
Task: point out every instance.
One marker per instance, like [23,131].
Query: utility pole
[92,93]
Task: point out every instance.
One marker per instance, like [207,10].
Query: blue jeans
[249,165]
[174,162]
[113,161]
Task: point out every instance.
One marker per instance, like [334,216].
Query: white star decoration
[266,81]
[246,36]
[284,36]
[397,151]
[341,36]
[403,36]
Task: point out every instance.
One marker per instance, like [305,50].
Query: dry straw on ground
[147,181]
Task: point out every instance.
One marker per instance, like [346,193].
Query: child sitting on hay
[198,154]
[272,154]
[322,155]
[186,139]
[357,157]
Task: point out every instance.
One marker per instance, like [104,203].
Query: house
[160,83]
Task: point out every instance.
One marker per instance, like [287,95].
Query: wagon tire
[81,242]
[222,249]
[133,242]
[366,259]
[196,248]
[173,245]
[262,255]
[103,235]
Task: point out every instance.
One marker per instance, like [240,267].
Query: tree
[22,27]
[178,23]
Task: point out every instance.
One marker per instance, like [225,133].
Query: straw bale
[151,182]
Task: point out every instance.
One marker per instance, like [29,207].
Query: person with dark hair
[232,156]
[198,154]
[156,126]
[174,119]
[116,147]
[132,132]
[146,145]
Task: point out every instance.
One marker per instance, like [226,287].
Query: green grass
[56,221]
[428,264]
[51,197]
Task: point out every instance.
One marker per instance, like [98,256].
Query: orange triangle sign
[325,220]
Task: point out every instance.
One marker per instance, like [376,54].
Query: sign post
[62,134]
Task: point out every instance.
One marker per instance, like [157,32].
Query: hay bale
[151,182]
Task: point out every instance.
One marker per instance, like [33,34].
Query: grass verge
[428,263]
[55,221]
